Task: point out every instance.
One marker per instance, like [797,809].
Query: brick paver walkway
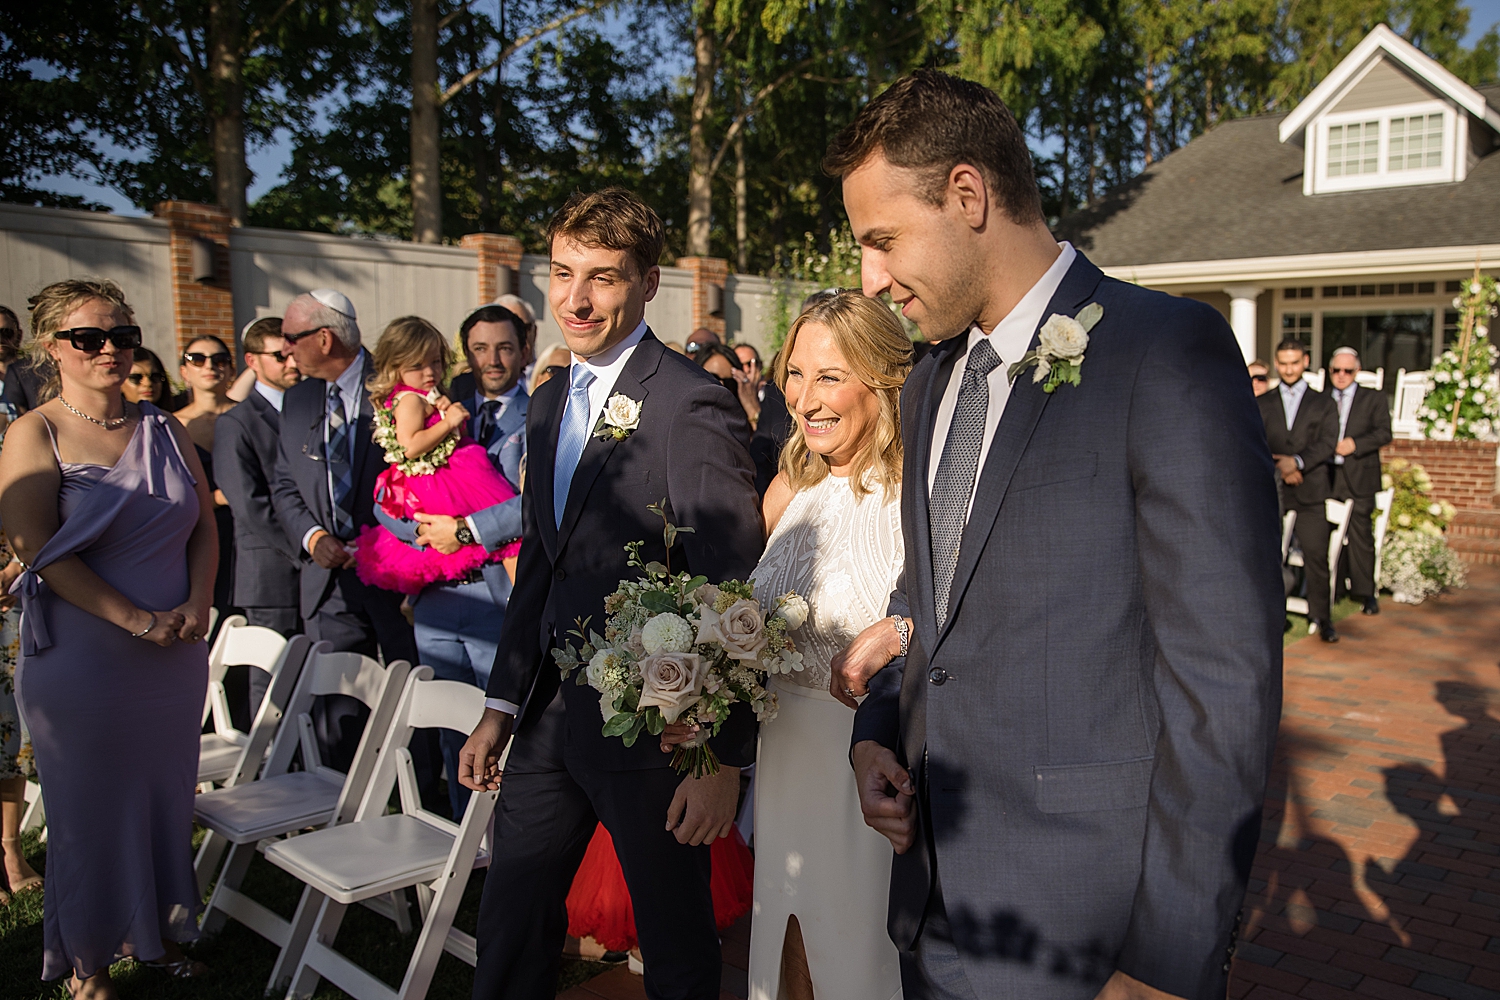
[1378,873]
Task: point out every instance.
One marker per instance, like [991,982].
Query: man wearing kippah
[1364,428]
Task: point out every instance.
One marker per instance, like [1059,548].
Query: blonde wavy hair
[879,354]
[50,307]
[405,343]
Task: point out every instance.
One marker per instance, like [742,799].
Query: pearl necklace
[108,425]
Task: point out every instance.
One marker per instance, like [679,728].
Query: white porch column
[1242,316]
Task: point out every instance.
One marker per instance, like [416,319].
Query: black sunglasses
[90,339]
[282,357]
[136,378]
[198,359]
[1344,371]
[1260,378]
[292,338]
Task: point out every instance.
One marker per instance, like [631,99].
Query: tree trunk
[426,191]
[1093,177]
[741,206]
[700,184]
[1067,169]
[1148,107]
[226,106]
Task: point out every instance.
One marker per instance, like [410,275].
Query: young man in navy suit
[585,497]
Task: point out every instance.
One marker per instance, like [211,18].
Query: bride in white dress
[821,875]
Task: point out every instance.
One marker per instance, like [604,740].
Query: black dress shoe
[1371,607]
[1326,632]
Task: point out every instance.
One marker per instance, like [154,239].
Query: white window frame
[1383,177]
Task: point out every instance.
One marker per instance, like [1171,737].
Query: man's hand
[329,552]
[1293,478]
[1344,447]
[702,810]
[886,794]
[439,531]
[479,760]
[1123,987]
[1285,464]
[865,657]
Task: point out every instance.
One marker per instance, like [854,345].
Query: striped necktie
[953,488]
[571,438]
[340,472]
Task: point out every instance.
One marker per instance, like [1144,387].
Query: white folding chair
[282,801]
[380,853]
[1315,380]
[1370,379]
[237,645]
[35,816]
[1338,513]
[1288,523]
[1383,501]
[1411,392]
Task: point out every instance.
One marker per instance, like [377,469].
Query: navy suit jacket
[1313,436]
[1091,730]
[299,490]
[687,451]
[266,562]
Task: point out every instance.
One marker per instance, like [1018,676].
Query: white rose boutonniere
[1060,346]
[621,416]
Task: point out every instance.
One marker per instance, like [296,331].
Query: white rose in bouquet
[607,672]
[793,607]
[671,682]
[740,630]
[667,632]
[1063,337]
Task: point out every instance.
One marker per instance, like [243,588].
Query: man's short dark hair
[256,333]
[1291,344]
[931,122]
[752,350]
[492,314]
[613,219]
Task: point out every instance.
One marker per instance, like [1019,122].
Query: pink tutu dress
[456,484]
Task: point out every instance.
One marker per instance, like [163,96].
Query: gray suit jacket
[265,560]
[1091,731]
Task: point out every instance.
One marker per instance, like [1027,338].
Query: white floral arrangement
[678,649]
[384,433]
[1464,401]
[1416,564]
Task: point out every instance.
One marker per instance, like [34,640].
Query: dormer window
[1385,147]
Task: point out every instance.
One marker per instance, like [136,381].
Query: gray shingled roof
[1236,191]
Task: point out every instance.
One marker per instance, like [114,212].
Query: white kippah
[1345,350]
[337,301]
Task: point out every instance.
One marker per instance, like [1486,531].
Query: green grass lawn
[1343,609]
[241,961]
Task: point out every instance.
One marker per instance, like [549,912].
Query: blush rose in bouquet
[678,649]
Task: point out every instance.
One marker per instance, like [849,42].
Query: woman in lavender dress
[107,505]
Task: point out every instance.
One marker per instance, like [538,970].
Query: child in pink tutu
[434,467]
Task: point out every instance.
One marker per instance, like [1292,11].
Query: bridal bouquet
[677,648]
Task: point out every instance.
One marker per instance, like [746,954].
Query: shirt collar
[353,378]
[272,394]
[610,362]
[1294,388]
[1012,335]
[504,398]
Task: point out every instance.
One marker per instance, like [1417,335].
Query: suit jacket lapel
[1017,422]
[920,584]
[316,450]
[596,451]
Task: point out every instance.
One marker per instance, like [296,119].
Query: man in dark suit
[1302,430]
[586,496]
[1364,428]
[1070,758]
[324,493]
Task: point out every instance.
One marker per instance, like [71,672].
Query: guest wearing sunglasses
[724,365]
[1260,376]
[1364,428]
[106,503]
[208,370]
[148,380]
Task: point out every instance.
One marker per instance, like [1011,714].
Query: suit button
[559,575]
[938,676]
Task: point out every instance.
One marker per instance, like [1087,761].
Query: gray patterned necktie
[340,470]
[953,488]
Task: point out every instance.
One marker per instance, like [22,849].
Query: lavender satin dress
[114,721]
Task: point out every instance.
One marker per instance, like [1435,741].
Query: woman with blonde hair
[106,503]
[834,517]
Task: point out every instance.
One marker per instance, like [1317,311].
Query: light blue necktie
[571,438]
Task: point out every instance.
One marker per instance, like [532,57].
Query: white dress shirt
[272,395]
[352,385]
[1010,339]
[1345,399]
[1291,402]
[606,368]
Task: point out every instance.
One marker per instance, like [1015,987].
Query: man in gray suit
[1071,755]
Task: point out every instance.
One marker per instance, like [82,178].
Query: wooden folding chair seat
[379,853]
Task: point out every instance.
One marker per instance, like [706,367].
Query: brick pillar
[203,304]
[494,251]
[1463,472]
[707,271]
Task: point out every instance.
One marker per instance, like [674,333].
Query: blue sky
[266,163]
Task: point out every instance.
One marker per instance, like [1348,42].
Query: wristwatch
[463,534]
[903,631]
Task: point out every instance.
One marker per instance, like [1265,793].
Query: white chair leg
[210,853]
[401,907]
[35,816]
[238,863]
[424,899]
[322,926]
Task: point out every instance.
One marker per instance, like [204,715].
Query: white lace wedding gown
[814,856]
